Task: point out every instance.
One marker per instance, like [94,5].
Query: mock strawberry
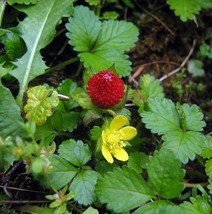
[105,89]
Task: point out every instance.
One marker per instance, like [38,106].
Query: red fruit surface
[105,89]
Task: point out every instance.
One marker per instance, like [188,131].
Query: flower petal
[106,153]
[127,133]
[120,154]
[118,122]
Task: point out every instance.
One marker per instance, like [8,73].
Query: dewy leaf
[191,117]
[10,114]
[75,152]
[184,145]
[165,174]
[162,116]
[101,45]
[37,30]
[40,103]
[185,9]
[61,172]
[123,190]
[150,87]
[159,207]
[83,187]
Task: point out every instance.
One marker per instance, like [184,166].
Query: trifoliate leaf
[150,87]
[184,145]
[10,114]
[162,116]
[83,187]
[191,117]
[159,207]
[123,190]
[185,9]
[165,174]
[61,172]
[37,30]
[40,103]
[11,2]
[101,44]
[199,205]
[75,152]
[195,67]
[207,147]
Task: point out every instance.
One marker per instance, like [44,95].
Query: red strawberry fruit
[105,89]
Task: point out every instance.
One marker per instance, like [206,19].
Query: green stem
[62,65]
[2,9]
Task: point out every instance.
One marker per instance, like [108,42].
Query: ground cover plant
[104,106]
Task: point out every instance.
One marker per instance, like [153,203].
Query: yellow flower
[113,138]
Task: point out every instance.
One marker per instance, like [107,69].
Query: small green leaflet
[165,174]
[162,116]
[83,187]
[185,9]
[123,190]
[37,30]
[76,152]
[184,145]
[101,44]
[61,172]
[207,147]
[199,204]
[150,87]
[40,103]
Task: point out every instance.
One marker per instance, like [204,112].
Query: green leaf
[65,121]
[207,147]
[37,30]
[110,15]
[75,152]
[185,9]
[40,103]
[93,2]
[123,190]
[137,161]
[150,87]
[162,116]
[199,205]
[95,133]
[101,45]
[165,174]
[90,210]
[61,172]
[195,67]
[191,117]
[10,114]
[83,29]
[184,145]
[13,44]
[11,2]
[208,168]
[159,207]
[83,187]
